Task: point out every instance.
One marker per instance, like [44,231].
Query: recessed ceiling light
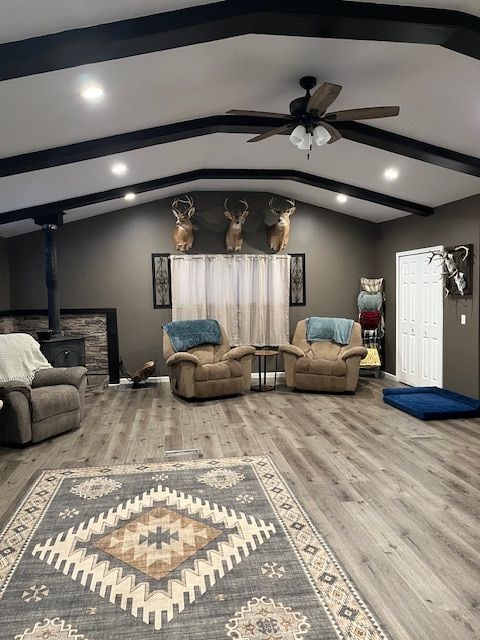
[391,173]
[119,168]
[342,198]
[92,92]
[129,196]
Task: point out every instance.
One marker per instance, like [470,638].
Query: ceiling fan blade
[334,133]
[363,114]
[246,112]
[273,132]
[323,97]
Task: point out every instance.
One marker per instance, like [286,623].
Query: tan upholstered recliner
[209,370]
[323,366]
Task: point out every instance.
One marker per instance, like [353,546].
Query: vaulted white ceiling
[438,92]
[347,161]
[21,19]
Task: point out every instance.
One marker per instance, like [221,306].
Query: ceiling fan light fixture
[321,135]
[298,135]
[306,143]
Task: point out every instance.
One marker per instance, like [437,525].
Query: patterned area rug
[186,550]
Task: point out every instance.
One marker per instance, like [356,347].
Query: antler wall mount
[237,212]
[183,209]
[278,234]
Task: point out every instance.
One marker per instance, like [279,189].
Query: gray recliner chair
[36,400]
[52,404]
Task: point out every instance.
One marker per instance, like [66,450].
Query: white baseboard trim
[270,376]
[151,379]
[390,376]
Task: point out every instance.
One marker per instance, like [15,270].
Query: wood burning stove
[64,351]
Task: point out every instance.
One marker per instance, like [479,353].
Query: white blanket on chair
[20,358]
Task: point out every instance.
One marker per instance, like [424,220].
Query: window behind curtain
[247,294]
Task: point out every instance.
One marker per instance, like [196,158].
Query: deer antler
[436,254]
[185,200]
[241,202]
[466,249]
[272,204]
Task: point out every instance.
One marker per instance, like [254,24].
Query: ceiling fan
[309,119]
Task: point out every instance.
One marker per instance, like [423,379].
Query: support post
[51,278]
[50,226]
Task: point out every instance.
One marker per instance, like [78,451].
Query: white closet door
[419,319]
[408,319]
[430,332]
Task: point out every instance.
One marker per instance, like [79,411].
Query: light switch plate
[463,319]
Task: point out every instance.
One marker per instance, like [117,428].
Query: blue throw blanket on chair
[186,334]
[337,330]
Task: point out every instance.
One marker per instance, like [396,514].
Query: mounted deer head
[450,268]
[237,212]
[183,210]
[279,233]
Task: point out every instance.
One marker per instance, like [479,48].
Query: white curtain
[248,294]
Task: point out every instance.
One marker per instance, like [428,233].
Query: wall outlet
[463,319]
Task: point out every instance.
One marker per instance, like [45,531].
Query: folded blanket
[370,319]
[186,334]
[335,329]
[370,301]
[372,359]
[372,285]
[20,358]
[371,338]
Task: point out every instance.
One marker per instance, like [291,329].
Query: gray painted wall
[106,262]
[452,224]
[4,277]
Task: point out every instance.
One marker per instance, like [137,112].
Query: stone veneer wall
[7,324]
[93,327]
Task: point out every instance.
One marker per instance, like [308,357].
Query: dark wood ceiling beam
[124,142]
[132,140]
[409,147]
[328,19]
[37,212]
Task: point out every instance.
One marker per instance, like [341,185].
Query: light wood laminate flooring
[397,499]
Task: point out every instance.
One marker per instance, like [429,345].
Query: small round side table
[265,353]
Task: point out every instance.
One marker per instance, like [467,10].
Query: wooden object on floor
[396,498]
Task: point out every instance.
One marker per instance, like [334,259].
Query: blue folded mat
[431,403]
